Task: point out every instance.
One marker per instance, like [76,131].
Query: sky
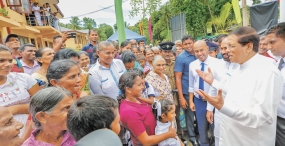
[77,7]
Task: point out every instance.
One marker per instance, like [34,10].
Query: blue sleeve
[83,49]
[95,85]
[178,67]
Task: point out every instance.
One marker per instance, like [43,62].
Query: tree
[75,23]
[89,23]
[222,21]
[256,2]
[126,25]
[144,7]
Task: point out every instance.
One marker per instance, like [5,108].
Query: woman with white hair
[159,81]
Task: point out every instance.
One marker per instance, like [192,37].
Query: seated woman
[44,57]
[9,129]
[106,72]
[15,88]
[129,60]
[66,74]
[131,110]
[49,108]
[92,113]
[158,80]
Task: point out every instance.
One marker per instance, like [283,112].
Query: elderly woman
[15,88]
[131,110]
[129,60]
[44,57]
[251,96]
[106,72]
[49,108]
[158,80]
[9,129]
[84,61]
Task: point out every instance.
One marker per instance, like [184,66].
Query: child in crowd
[148,92]
[164,110]
[142,60]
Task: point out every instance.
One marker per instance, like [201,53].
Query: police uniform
[169,71]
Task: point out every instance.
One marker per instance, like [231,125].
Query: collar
[134,104]
[24,64]
[103,67]
[249,62]
[206,61]
[187,53]
[163,126]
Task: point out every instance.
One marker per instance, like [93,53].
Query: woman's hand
[172,132]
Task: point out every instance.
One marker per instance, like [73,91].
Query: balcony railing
[33,20]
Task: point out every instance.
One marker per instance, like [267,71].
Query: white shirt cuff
[216,84]
[191,90]
[210,107]
[229,109]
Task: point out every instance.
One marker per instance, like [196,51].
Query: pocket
[105,84]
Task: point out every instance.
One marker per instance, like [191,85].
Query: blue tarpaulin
[129,35]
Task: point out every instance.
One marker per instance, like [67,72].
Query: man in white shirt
[197,103]
[249,110]
[276,43]
[221,74]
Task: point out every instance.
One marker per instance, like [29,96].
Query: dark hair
[65,54]
[126,80]
[59,68]
[135,47]
[148,49]
[95,56]
[187,37]
[45,100]
[82,52]
[39,54]
[247,35]
[124,43]
[278,29]
[4,48]
[22,48]
[140,41]
[92,30]
[128,56]
[56,37]
[166,106]
[90,113]
[221,37]
[140,57]
[137,71]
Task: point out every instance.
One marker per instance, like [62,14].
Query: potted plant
[4,12]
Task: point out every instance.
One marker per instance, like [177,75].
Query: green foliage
[75,23]
[144,7]
[104,30]
[116,28]
[256,2]
[4,12]
[89,23]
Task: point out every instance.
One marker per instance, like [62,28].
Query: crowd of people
[135,94]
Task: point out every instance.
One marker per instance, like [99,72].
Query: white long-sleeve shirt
[249,113]
[222,73]
[281,108]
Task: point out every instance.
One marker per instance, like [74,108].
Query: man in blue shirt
[91,46]
[181,70]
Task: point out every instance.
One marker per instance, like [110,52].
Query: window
[14,3]
[23,40]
